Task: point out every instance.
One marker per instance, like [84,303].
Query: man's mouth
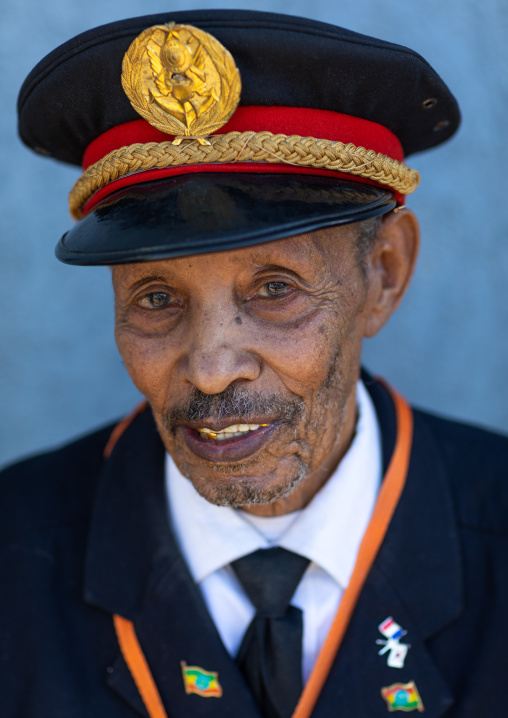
[233,426]
[232,443]
[230,432]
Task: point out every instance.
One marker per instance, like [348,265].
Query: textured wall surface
[447,347]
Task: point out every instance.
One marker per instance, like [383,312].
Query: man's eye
[275,289]
[155,300]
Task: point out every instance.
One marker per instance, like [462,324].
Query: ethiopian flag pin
[402,697]
[203,683]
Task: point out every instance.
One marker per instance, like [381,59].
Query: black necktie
[270,656]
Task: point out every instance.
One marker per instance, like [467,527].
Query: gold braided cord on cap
[244,147]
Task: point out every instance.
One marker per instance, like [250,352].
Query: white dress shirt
[328,532]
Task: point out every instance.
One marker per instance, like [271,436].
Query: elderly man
[270,534]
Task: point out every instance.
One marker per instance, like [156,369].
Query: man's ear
[390,266]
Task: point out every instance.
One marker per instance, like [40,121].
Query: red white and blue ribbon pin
[397,651]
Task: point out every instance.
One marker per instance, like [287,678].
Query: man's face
[263,341]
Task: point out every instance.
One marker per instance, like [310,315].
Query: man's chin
[238,491]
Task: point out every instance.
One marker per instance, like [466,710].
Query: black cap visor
[201,213]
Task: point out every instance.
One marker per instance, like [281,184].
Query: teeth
[229,435]
[229,432]
[234,429]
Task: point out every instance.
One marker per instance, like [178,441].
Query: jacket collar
[135,569]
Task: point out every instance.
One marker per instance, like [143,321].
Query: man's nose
[218,354]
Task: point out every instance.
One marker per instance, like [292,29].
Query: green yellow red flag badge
[402,697]
[203,683]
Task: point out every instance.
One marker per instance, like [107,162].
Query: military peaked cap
[210,130]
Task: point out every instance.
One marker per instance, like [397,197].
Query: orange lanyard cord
[140,671]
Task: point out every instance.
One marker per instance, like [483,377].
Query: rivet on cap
[429,103]
[441,125]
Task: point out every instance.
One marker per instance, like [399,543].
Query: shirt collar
[328,531]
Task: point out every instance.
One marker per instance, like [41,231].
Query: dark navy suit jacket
[82,538]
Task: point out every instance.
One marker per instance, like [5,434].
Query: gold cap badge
[181,80]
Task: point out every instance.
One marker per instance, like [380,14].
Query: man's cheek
[310,355]
[145,364]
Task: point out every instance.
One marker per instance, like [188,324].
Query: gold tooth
[213,435]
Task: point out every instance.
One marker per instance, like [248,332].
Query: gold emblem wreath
[181,80]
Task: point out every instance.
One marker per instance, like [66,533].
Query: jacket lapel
[416,579]
[135,569]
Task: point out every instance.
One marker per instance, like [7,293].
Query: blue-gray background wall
[447,347]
